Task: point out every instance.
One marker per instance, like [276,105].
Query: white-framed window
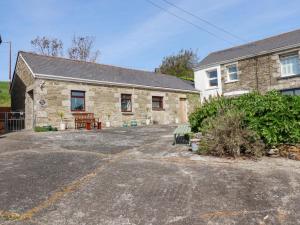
[232,72]
[212,77]
[290,65]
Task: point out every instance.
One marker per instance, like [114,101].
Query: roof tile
[57,66]
[254,48]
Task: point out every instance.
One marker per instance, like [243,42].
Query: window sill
[230,81]
[158,109]
[287,77]
[79,111]
[127,113]
[211,88]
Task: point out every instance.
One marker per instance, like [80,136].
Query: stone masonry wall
[268,75]
[22,79]
[105,100]
[20,98]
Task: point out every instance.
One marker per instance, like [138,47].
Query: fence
[12,121]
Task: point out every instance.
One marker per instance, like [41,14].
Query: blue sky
[135,34]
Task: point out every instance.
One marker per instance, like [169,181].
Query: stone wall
[21,100]
[105,100]
[21,80]
[261,73]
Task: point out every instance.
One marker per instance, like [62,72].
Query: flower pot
[107,124]
[147,121]
[88,126]
[195,144]
[62,126]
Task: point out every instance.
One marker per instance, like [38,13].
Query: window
[295,91]
[212,78]
[77,100]
[126,104]
[232,73]
[157,103]
[290,65]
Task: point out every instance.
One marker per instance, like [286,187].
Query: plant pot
[88,126]
[176,120]
[148,121]
[107,124]
[195,144]
[62,126]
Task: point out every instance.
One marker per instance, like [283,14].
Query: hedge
[273,116]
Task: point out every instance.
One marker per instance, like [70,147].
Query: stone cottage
[44,86]
[271,63]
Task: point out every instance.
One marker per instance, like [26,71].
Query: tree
[47,46]
[81,49]
[180,65]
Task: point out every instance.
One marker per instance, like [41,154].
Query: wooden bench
[181,130]
[86,120]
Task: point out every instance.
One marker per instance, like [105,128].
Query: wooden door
[182,110]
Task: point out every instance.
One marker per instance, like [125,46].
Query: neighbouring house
[271,63]
[43,86]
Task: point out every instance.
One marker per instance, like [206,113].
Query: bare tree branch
[47,46]
[81,49]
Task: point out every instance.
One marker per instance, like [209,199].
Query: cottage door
[182,110]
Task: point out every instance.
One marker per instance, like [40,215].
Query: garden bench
[181,130]
[86,120]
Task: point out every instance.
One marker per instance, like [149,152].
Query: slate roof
[254,48]
[62,67]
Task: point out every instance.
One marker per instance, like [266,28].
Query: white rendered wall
[201,83]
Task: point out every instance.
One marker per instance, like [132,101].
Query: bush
[273,116]
[226,135]
[44,129]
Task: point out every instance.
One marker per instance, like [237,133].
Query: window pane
[212,74]
[233,76]
[213,82]
[156,105]
[77,104]
[232,69]
[126,105]
[288,92]
[77,100]
[157,102]
[77,93]
[297,92]
[290,65]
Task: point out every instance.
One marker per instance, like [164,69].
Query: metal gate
[12,121]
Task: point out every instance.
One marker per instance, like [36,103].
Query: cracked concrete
[136,176]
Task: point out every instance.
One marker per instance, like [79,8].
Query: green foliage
[227,135]
[4,94]
[273,116]
[180,65]
[44,129]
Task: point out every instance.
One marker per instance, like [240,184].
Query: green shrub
[44,129]
[273,116]
[227,135]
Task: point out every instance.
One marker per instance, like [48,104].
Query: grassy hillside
[4,94]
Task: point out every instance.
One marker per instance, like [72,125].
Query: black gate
[12,121]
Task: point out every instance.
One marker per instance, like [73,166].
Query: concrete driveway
[129,176]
